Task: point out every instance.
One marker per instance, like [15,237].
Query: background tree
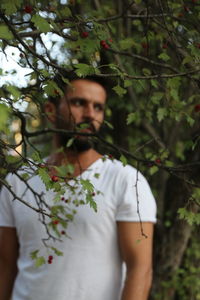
[151,51]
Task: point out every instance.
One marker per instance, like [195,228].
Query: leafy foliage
[149,53]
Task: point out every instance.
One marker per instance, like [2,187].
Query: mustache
[86,125]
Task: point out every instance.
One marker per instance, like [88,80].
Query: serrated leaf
[127,83]
[154,83]
[70,142]
[34,254]
[153,170]
[131,118]
[164,56]
[36,156]
[13,90]
[45,177]
[40,261]
[65,12]
[123,160]
[10,6]
[87,185]
[84,70]
[4,115]
[119,90]
[126,43]
[161,113]
[41,23]
[57,252]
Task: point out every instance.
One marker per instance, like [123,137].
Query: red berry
[198,45]
[197,108]
[50,257]
[104,44]
[63,232]
[63,199]
[54,178]
[110,156]
[28,9]
[93,194]
[55,222]
[49,261]
[158,160]
[164,46]
[145,45]
[84,34]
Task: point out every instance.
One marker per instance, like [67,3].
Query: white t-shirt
[91,267]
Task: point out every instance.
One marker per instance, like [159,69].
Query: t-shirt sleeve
[135,202]
[6,212]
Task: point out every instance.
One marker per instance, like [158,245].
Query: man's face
[83,102]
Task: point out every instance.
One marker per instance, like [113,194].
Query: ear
[50,111]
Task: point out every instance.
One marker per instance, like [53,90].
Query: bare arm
[136,251]
[8,259]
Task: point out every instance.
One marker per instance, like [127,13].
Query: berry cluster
[50,259]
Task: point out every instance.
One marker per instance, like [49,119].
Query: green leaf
[153,170]
[36,157]
[119,90]
[126,43]
[133,117]
[87,185]
[190,120]
[45,177]
[5,33]
[65,12]
[161,113]
[108,124]
[157,96]
[40,261]
[70,142]
[34,254]
[123,160]
[84,70]
[57,252]
[41,23]
[10,6]
[128,83]
[164,56]
[154,83]
[14,91]
[4,115]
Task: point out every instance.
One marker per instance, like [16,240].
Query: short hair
[60,81]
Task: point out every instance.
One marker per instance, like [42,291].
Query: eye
[99,107]
[77,102]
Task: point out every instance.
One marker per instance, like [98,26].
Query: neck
[80,160]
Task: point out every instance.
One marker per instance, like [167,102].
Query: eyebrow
[85,100]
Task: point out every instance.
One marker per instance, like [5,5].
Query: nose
[89,112]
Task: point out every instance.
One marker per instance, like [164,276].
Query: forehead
[87,89]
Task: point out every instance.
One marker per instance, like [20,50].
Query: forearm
[137,285]
[7,278]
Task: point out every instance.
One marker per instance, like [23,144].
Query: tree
[151,51]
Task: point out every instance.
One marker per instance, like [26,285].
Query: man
[98,242]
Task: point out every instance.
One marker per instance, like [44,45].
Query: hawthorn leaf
[40,261]
[41,23]
[119,90]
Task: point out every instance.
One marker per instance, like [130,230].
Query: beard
[80,143]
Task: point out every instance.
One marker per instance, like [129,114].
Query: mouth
[85,128]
